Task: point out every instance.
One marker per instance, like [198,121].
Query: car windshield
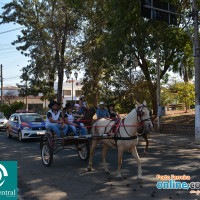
[31,118]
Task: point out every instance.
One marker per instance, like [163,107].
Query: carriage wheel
[84,151]
[47,155]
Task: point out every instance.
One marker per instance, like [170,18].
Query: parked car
[3,121]
[25,125]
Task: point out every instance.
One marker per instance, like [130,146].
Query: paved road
[68,178]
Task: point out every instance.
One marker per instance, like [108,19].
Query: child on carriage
[70,117]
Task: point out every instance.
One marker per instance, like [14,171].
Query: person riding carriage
[102,112]
[113,114]
[82,103]
[54,120]
[72,118]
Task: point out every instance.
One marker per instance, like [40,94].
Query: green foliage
[186,93]
[10,109]
[97,36]
[49,29]
[167,97]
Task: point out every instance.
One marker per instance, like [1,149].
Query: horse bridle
[140,113]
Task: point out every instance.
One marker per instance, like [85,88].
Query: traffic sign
[159,10]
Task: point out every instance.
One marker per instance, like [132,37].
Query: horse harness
[120,122]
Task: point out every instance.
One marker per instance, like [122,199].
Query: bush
[10,109]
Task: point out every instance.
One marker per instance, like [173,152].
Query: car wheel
[20,136]
[8,133]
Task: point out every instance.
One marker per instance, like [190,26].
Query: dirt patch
[179,117]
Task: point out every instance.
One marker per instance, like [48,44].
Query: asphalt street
[68,177]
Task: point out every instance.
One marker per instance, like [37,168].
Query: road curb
[190,145]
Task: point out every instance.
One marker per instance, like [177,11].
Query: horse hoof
[89,169]
[107,172]
[139,180]
[119,177]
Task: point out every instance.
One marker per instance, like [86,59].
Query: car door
[10,124]
[15,126]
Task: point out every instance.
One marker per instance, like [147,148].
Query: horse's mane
[131,114]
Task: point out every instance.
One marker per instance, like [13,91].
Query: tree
[186,93]
[9,97]
[129,35]
[9,109]
[186,65]
[50,26]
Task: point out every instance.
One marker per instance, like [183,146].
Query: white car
[25,125]
[3,121]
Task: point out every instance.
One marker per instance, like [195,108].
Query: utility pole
[1,84]
[26,95]
[158,89]
[197,71]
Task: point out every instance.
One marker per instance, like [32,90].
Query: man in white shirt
[54,120]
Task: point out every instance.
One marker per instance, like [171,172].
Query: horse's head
[89,113]
[144,116]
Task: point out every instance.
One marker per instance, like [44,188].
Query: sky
[11,59]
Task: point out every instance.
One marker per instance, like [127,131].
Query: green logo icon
[8,180]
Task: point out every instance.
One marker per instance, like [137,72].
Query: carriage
[50,144]
[120,134]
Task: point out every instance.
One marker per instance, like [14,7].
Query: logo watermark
[3,174]
[8,180]
[177,182]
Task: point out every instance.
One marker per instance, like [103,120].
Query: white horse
[126,136]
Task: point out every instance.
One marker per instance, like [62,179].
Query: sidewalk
[174,139]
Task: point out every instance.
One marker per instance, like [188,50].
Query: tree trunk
[153,92]
[95,86]
[186,77]
[152,88]
[62,63]
[60,85]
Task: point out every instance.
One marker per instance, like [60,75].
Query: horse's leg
[94,144]
[135,154]
[105,149]
[147,142]
[120,153]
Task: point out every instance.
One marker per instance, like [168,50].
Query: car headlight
[27,128]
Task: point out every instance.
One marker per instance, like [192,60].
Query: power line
[15,29]
[12,78]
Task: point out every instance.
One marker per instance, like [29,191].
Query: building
[11,94]
[68,94]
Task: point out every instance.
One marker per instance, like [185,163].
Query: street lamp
[76,75]
[67,73]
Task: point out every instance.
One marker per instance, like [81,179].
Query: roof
[25,111]
[10,87]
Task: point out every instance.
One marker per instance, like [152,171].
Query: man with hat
[54,119]
[102,112]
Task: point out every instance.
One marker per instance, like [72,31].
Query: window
[31,118]
[67,92]
[78,93]
[12,118]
